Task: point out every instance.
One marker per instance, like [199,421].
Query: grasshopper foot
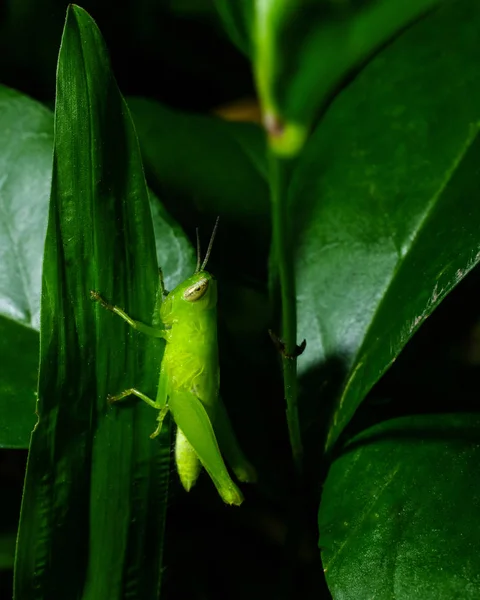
[156,433]
[97,297]
[111,399]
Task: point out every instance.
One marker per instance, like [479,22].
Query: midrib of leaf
[368,509]
[92,152]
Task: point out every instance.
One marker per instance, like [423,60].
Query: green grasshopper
[189,382]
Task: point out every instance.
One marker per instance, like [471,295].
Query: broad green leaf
[203,167]
[175,254]
[94,478]
[301,51]
[399,511]
[26,135]
[18,381]
[387,221]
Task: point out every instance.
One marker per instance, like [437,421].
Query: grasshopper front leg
[139,326]
[132,392]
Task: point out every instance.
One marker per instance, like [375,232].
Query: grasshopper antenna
[199,259]
[210,245]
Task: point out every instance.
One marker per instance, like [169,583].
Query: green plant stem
[283,253]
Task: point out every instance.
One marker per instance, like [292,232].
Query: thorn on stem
[280,346]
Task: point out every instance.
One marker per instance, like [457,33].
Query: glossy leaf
[26,132]
[94,477]
[302,51]
[384,196]
[399,511]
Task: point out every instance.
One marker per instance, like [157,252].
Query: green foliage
[351,245]
[93,473]
[383,528]
[384,218]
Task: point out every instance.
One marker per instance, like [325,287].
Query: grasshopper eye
[196,291]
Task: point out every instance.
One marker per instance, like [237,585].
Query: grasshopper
[189,382]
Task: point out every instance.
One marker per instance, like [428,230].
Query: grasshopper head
[194,295]
[198,286]
[198,291]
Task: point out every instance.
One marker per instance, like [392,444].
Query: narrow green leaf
[94,502]
[399,511]
[384,202]
[26,133]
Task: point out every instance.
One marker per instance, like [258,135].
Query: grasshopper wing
[192,418]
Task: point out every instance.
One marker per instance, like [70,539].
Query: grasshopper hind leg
[244,471]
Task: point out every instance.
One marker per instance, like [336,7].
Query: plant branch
[283,255]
